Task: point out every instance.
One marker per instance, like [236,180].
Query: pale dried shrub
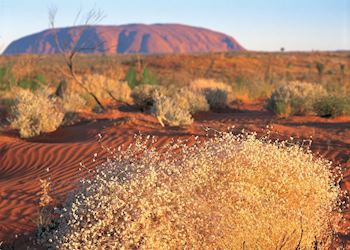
[196,100]
[73,102]
[217,98]
[295,98]
[171,110]
[202,84]
[120,91]
[34,113]
[217,93]
[231,192]
[105,88]
[144,95]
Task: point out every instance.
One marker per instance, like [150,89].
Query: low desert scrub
[35,113]
[332,106]
[195,100]
[171,110]
[230,192]
[202,84]
[121,92]
[217,98]
[295,98]
[215,92]
[172,106]
[73,102]
[144,95]
[104,88]
[248,90]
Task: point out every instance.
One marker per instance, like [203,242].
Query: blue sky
[256,24]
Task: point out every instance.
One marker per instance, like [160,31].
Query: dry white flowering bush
[216,93]
[171,110]
[230,192]
[34,113]
[295,98]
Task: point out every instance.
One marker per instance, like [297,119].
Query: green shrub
[146,77]
[32,84]
[131,77]
[7,79]
[295,98]
[332,106]
[41,79]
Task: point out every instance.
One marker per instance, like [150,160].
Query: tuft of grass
[230,192]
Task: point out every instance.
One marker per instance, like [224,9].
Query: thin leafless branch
[71,47]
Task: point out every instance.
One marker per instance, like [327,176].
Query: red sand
[57,155]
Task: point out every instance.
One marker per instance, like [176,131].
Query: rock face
[126,39]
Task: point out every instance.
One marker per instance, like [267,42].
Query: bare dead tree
[70,49]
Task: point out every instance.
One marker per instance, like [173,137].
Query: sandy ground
[57,155]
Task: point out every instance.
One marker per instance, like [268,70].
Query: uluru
[126,39]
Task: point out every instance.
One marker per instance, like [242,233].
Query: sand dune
[57,155]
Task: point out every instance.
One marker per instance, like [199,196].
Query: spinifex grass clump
[230,192]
